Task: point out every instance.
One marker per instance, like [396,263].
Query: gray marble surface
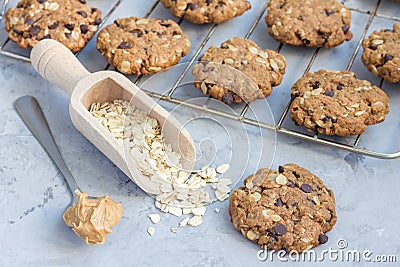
[33,194]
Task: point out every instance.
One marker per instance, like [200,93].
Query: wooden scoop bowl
[56,63]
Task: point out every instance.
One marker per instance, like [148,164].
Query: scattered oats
[174,229]
[221,196]
[224,188]
[224,181]
[151,230]
[175,211]
[199,211]
[195,221]
[155,218]
[184,222]
[306,240]
[223,168]
[217,210]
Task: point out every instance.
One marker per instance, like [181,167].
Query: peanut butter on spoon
[92,218]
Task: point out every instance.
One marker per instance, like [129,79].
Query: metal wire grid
[168,97]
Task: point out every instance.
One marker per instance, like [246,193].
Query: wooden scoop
[58,65]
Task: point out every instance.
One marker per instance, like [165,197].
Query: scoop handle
[57,64]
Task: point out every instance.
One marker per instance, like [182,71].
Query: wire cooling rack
[339,143]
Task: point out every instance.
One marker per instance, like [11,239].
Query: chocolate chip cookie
[382,53]
[206,11]
[313,23]
[289,209]
[71,22]
[337,103]
[142,46]
[239,70]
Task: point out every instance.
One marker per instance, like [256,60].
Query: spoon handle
[30,112]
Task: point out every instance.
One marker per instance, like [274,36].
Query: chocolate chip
[125,45]
[283,4]
[82,1]
[322,238]
[193,6]
[281,169]
[306,41]
[35,30]
[280,229]
[387,30]
[326,119]
[345,29]
[116,23]
[373,47]
[291,184]
[300,17]
[329,13]
[18,33]
[296,175]
[279,202]
[70,26]
[165,24]
[329,93]
[388,58]
[41,1]
[67,34]
[47,36]
[306,188]
[175,33]
[97,21]
[339,87]
[54,25]
[82,13]
[295,95]
[84,28]
[316,85]
[93,9]
[29,22]
[227,99]
[137,32]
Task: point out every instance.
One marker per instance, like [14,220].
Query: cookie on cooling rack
[289,209]
[214,74]
[206,11]
[71,22]
[337,103]
[382,53]
[142,46]
[313,23]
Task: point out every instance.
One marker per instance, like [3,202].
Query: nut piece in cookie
[206,11]
[142,46]
[382,53]
[70,22]
[239,70]
[312,23]
[337,103]
[289,209]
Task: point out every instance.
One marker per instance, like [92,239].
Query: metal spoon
[30,112]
